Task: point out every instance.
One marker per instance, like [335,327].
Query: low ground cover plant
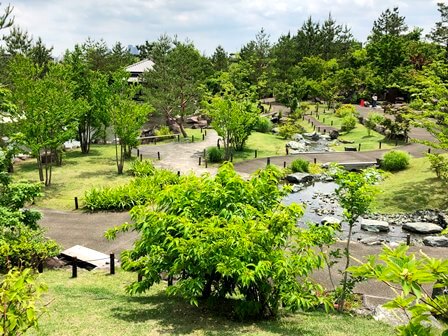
[300,166]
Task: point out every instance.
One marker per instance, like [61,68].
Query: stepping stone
[374,225]
[88,256]
[436,241]
[422,227]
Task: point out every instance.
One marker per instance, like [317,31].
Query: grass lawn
[412,189]
[196,133]
[78,173]
[96,304]
[266,144]
[359,135]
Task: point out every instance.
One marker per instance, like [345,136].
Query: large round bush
[300,166]
[348,123]
[345,110]
[395,160]
[264,125]
[215,155]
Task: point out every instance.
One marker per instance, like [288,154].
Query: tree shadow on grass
[411,196]
[175,316]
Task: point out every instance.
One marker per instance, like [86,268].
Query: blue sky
[208,23]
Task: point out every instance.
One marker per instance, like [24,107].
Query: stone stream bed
[317,194]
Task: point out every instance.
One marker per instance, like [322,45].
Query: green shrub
[439,164]
[215,154]
[300,166]
[373,119]
[163,130]
[287,130]
[264,125]
[348,123]
[395,160]
[345,110]
[142,168]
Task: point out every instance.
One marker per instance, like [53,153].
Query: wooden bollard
[408,239]
[287,150]
[40,267]
[178,138]
[205,153]
[315,160]
[284,164]
[178,173]
[323,121]
[256,153]
[359,147]
[112,263]
[192,138]
[379,145]
[231,157]
[141,157]
[138,152]
[325,130]
[202,130]
[203,136]
[205,132]
[206,163]
[429,150]
[76,203]
[75,267]
[332,123]
[318,129]
[158,156]
[200,160]
[268,161]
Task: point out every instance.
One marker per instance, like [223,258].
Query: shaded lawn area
[96,304]
[415,188]
[78,173]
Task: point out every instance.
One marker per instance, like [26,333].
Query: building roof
[140,67]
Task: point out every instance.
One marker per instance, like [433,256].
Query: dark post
[76,203]
[218,145]
[359,147]
[256,153]
[287,150]
[139,277]
[192,138]
[205,132]
[268,161]
[408,239]
[158,156]
[178,173]
[332,123]
[178,138]
[323,121]
[200,160]
[203,136]
[141,157]
[284,164]
[325,130]
[315,160]
[138,152]
[75,267]
[380,145]
[112,263]
[314,126]
[318,129]
[231,157]
[205,153]
[429,150]
[202,130]
[206,163]
[40,267]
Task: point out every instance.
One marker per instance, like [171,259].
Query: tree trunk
[39,165]
[341,301]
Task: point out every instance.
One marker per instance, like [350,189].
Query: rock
[192,120]
[374,225]
[296,188]
[422,227]
[326,137]
[299,178]
[371,241]
[346,141]
[203,123]
[275,130]
[330,220]
[312,136]
[294,145]
[334,134]
[54,263]
[297,137]
[393,317]
[436,241]
[442,219]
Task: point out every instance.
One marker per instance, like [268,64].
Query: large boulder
[330,220]
[436,241]
[312,136]
[299,178]
[372,241]
[422,227]
[372,225]
[442,220]
[294,145]
[334,134]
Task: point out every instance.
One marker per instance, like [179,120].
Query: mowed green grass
[96,304]
[266,144]
[78,173]
[415,188]
[359,135]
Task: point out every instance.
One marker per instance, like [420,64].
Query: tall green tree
[46,111]
[126,117]
[172,85]
[439,34]
[18,41]
[220,59]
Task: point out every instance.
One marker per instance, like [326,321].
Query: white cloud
[230,23]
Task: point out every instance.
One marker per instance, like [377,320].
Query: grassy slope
[266,144]
[412,189]
[78,173]
[96,304]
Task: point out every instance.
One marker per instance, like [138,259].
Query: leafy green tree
[373,120]
[127,117]
[46,111]
[18,41]
[220,59]
[19,293]
[226,237]
[233,120]
[406,274]
[172,85]
[120,57]
[439,34]
[355,192]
